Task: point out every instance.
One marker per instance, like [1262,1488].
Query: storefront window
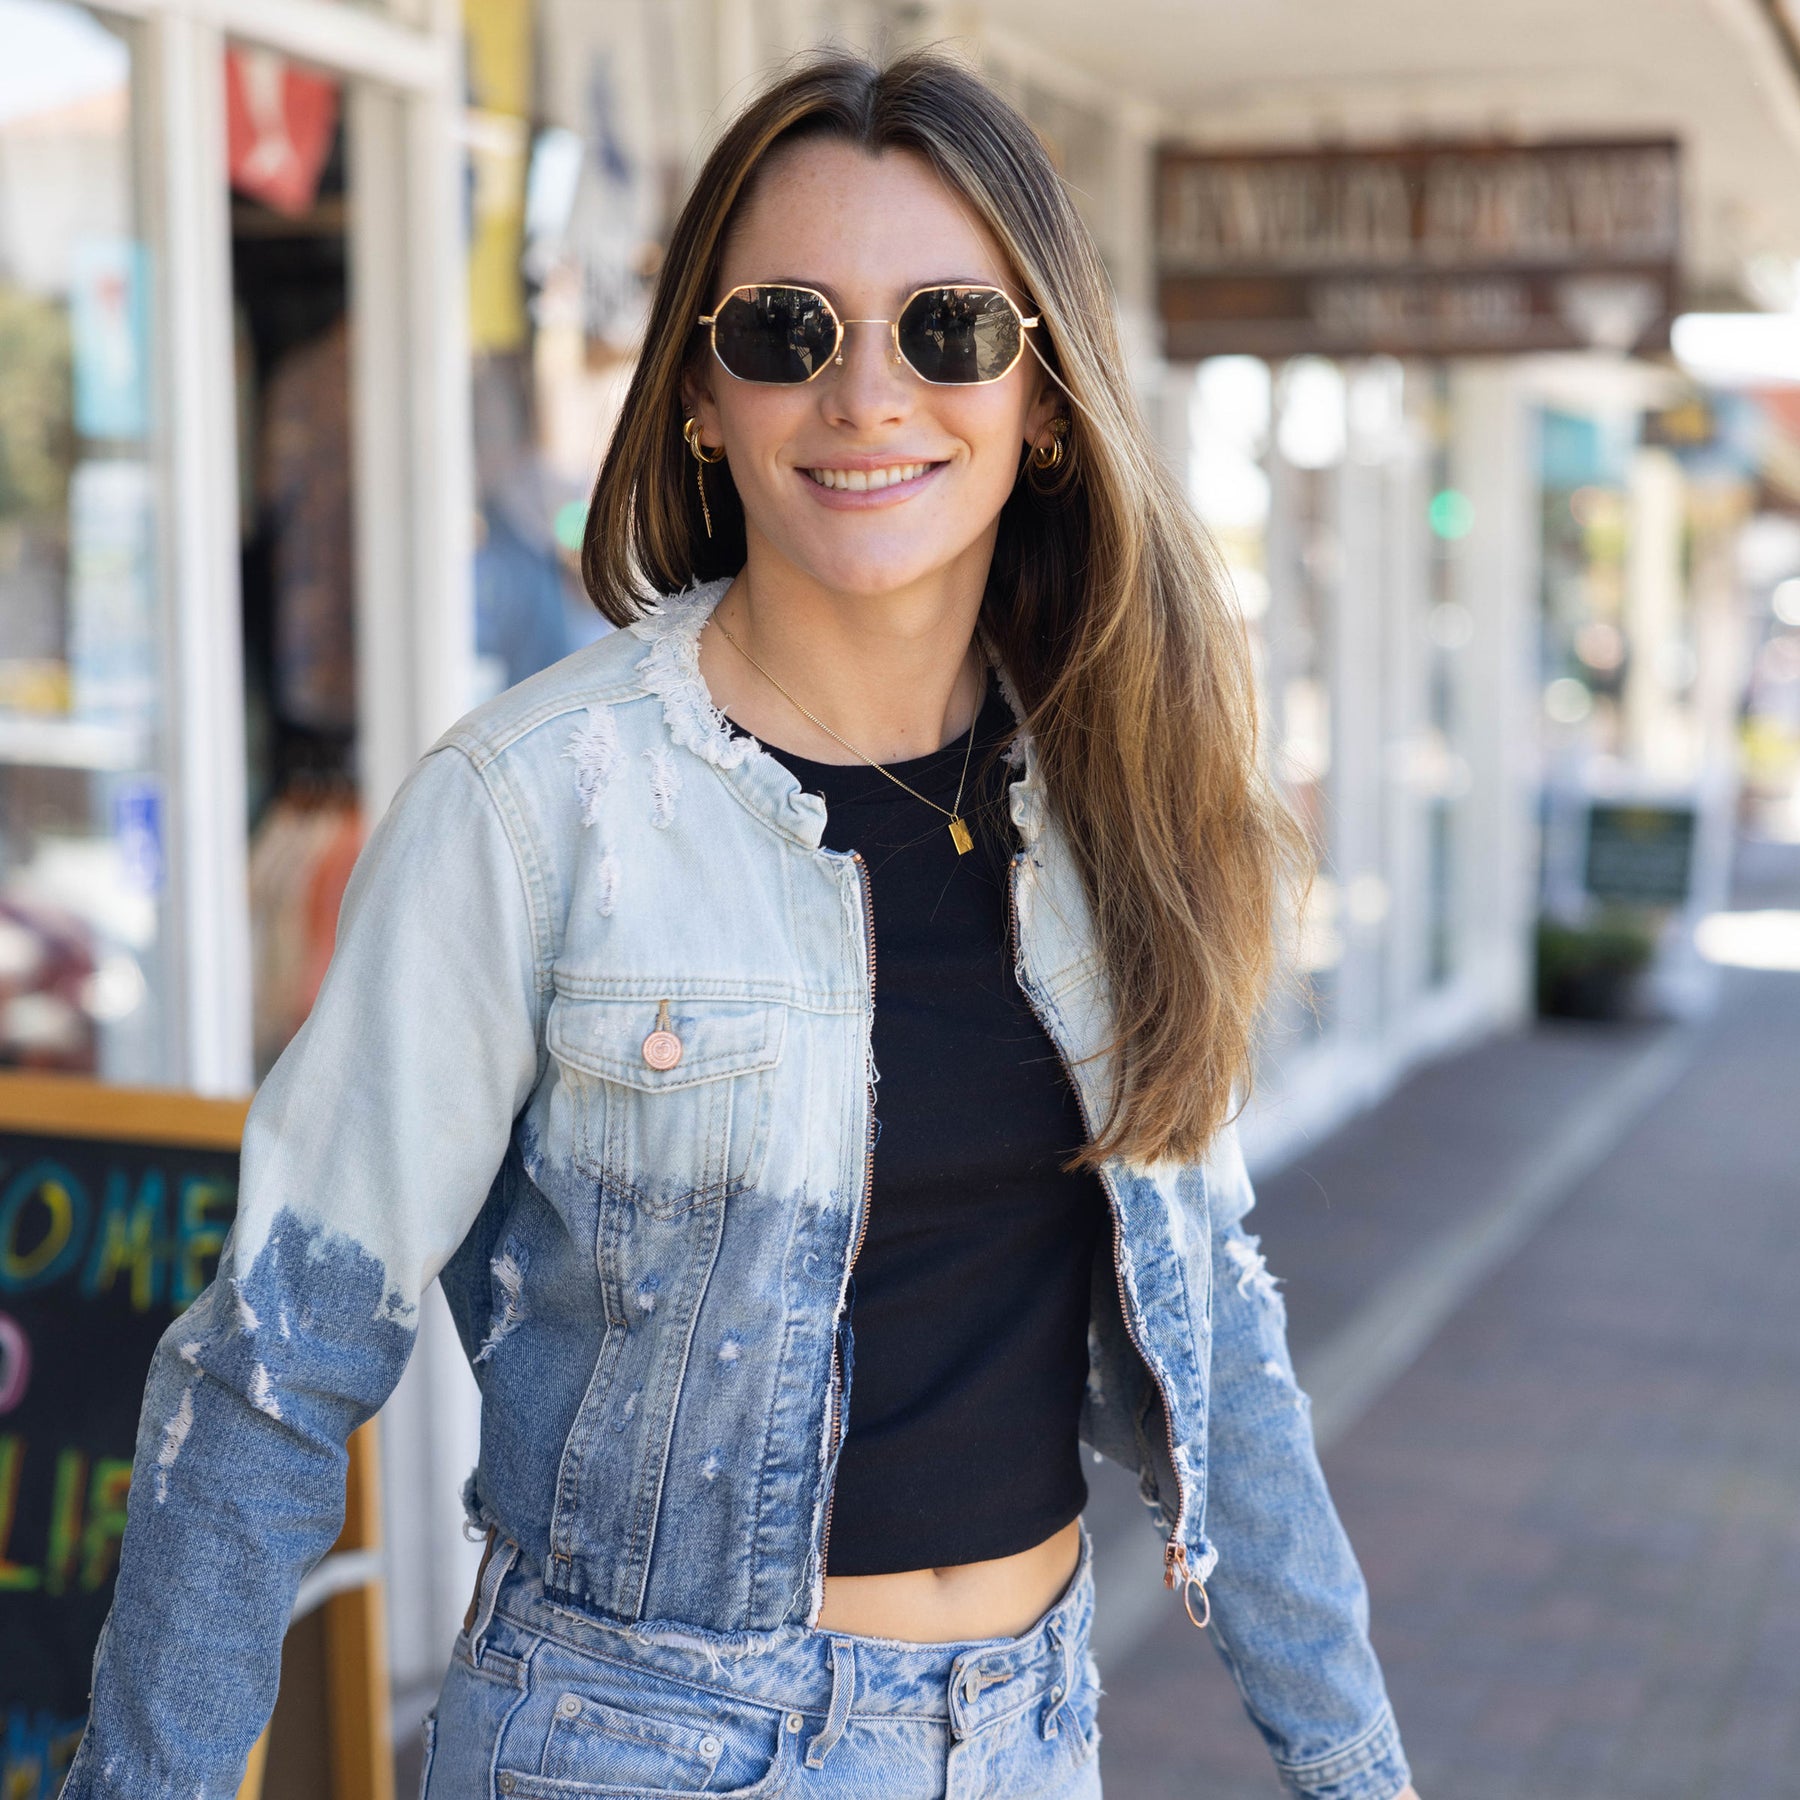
[1263,453]
[1768,566]
[1586,515]
[1310,433]
[297,523]
[84,985]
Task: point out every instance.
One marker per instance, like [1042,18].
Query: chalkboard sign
[114,1205]
[1640,855]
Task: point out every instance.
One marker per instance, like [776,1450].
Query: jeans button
[710,1746]
[568,1706]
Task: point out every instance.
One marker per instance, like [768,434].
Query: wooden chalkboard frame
[347,1584]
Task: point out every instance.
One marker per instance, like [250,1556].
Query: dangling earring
[1049,454]
[691,433]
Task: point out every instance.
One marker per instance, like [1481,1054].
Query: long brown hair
[1105,601]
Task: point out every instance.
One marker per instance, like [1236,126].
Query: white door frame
[415,633]
[411,429]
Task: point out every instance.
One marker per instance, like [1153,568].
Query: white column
[1131,247]
[205,713]
[1495,462]
[1656,730]
[1355,659]
[410,399]
[1405,599]
[415,656]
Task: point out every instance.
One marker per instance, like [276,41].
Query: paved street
[1579,1507]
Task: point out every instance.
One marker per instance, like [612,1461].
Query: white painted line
[1353,1368]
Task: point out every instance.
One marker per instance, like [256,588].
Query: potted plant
[1593,969]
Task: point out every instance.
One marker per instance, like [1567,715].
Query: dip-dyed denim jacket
[647,1258]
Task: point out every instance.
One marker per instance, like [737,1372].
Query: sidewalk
[1579,1507]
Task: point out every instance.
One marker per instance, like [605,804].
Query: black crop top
[969,1296]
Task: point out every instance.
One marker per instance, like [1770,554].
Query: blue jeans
[542,1703]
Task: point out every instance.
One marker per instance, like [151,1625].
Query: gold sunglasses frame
[835,354]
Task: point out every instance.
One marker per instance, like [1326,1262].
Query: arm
[1290,1612]
[367,1154]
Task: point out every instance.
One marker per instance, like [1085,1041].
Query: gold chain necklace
[959,832]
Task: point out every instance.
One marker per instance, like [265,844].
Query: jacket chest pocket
[668,1135]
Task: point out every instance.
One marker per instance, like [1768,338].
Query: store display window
[84,809]
[297,520]
[1265,445]
[1585,516]
[1769,730]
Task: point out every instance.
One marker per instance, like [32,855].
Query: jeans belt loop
[843,1691]
[494,1570]
[1060,1694]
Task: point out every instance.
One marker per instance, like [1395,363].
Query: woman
[784,1376]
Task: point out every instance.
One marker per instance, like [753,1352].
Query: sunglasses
[782,335]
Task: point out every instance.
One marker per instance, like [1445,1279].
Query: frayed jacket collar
[670,670]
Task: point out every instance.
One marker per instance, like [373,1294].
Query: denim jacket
[646,1242]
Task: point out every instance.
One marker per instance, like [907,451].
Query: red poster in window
[278,126]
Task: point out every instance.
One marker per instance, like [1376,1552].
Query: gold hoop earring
[690,433]
[1049,455]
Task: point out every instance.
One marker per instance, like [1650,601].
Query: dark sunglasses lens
[960,334]
[777,334]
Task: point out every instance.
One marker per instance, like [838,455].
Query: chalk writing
[103,1244]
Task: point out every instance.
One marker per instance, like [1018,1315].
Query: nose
[872,386]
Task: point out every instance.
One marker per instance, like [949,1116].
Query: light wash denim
[648,1262]
[543,1702]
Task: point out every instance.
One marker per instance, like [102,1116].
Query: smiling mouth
[864,481]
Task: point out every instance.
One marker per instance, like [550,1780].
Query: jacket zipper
[862,1229]
[1176,1573]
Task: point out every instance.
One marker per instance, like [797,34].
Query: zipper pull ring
[1187,1601]
[1175,1559]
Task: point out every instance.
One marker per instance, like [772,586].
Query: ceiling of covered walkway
[1720,75]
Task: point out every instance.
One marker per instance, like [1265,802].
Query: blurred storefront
[212,453]
[314,318]
[1406,303]
[234,542]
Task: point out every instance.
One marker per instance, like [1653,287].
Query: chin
[873,570]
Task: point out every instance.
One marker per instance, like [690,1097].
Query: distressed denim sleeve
[367,1154]
[1290,1612]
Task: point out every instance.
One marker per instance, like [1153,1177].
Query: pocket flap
[718,1037]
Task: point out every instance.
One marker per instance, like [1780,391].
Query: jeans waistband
[827,1674]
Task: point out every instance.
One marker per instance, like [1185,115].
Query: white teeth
[861,481]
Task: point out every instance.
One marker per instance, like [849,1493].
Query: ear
[1047,403]
[697,401]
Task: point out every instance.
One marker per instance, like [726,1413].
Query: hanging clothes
[304,483]
[300,860]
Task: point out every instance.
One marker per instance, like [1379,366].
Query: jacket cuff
[1372,1767]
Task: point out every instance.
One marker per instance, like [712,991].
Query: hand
[1407,1793]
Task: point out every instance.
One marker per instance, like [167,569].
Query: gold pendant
[959,836]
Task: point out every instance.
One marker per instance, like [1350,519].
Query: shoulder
[653,656]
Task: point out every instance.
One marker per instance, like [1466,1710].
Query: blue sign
[138,833]
[109,326]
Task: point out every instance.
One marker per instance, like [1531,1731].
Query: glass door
[85,930]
